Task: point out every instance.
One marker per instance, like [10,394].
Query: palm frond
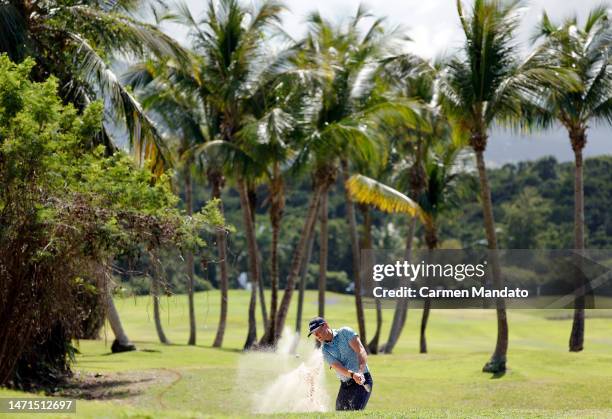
[544,28]
[368,191]
[267,15]
[597,15]
[144,138]
[139,75]
[236,159]
[584,51]
[13,32]
[182,15]
[603,112]
[376,28]
[352,137]
[115,32]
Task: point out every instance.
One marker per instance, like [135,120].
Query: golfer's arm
[340,368]
[362,355]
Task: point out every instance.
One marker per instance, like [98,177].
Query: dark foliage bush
[66,209]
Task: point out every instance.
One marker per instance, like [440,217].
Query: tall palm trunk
[302,286]
[352,222]
[578,139]
[189,259]
[401,306]
[431,238]
[155,288]
[122,342]
[252,194]
[216,180]
[253,262]
[277,204]
[497,363]
[418,180]
[323,250]
[297,260]
[262,299]
[367,244]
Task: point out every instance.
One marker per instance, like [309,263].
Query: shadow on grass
[104,389]
[185,345]
[232,350]
[498,375]
[157,351]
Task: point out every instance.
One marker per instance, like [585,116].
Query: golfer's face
[321,333]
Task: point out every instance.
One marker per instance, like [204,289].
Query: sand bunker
[292,379]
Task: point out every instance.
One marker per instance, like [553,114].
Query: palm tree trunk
[216,180]
[274,271]
[497,363]
[352,222]
[578,139]
[155,285]
[401,307]
[302,286]
[189,259]
[431,238]
[252,194]
[277,204]
[323,251]
[424,318]
[297,260]
[253,263]
[367,244]
[122,342]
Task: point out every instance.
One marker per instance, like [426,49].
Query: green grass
[543,380]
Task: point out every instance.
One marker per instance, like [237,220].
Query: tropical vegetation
[303,145]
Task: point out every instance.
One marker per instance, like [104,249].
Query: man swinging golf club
[343,351]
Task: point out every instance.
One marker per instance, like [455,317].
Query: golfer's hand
[359,378]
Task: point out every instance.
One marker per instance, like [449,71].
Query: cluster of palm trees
[247,105]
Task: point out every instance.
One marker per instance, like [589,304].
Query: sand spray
[290,379]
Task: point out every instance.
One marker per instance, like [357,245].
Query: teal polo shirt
[339,350]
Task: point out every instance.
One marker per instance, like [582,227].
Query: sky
[433,26]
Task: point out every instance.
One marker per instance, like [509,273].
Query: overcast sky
[434,28]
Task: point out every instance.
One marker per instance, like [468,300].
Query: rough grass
[543,380]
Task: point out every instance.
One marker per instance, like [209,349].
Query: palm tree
[298,258]
[74,41]
[216,180]
[411,78]
[323,251]
[485,84]
[302,286]
[274,128]
[404,174]
[586,51]
[436,200]
[228,40]
[156,271]
[366,244]
[432,202]
[121,343]
[383,171]
[183,116]
[253,181]
[343,120]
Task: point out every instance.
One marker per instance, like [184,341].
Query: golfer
[343,350]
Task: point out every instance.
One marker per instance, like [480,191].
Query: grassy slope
[543,378]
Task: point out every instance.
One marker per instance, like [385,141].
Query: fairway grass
[543,378]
